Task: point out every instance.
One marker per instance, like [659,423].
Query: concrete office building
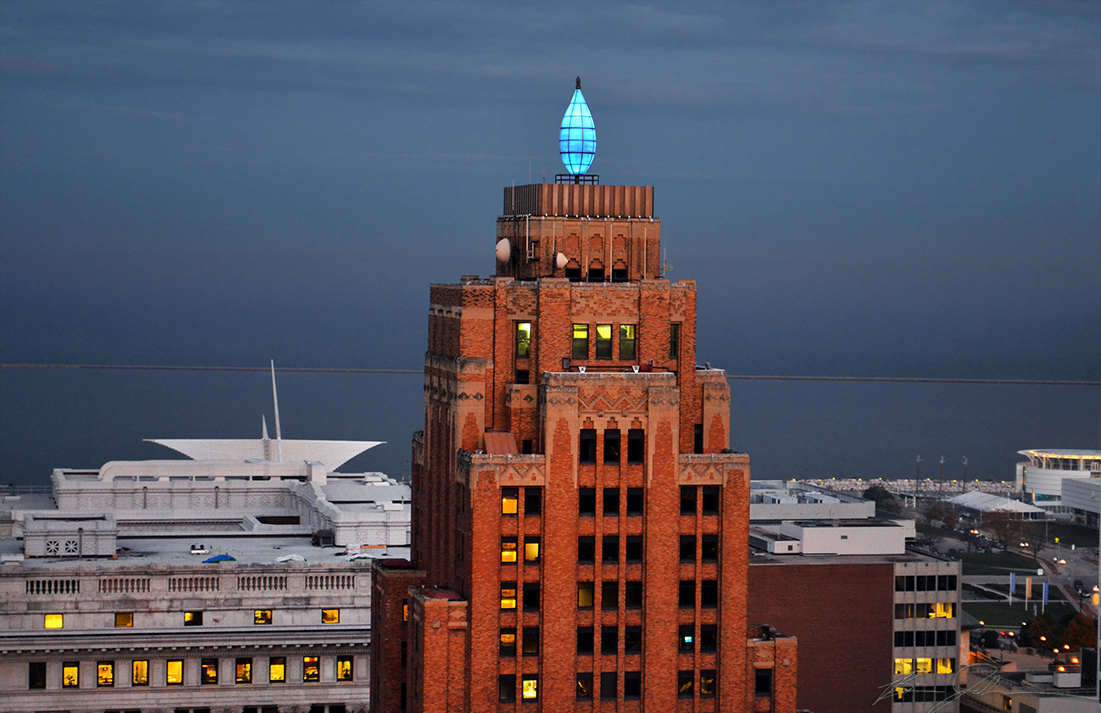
[579,522]
[113,598]
[1041,479]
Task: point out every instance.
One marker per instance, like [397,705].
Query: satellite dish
[561,261]
[504,250]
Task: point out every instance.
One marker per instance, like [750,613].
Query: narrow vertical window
[684,683]
[686,593]
[611,501]
[531,596]
[587,446]
[277,669]
[344,668]
[586,501]
[633,549]
[584,686]
[36,675]
[709,638]
[531,641]
[105,674]
[611,447]
[688,500]
[632,684]
[636,446]
[686,639]
[70,674]
[609,594]
[709,552]
[632,594]
[603,341]
[707,683]
[586,549]
[506,688]
[529,686]
[580,342]
[609,553]
[762,681]
[609,690]
[523,339]
[508,595]
[709,593]
[508,550]
[687,548]
[208,672]
[173,673]
[139,673]
[635,501]
[507,646]
[510,498]
[674,340]
[533,500]
[531,549]
[311,669]
[711,496]
[609,640]
[628,342]
[243,670]
[585,595]
[697,438]
[584,640]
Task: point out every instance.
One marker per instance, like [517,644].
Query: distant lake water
[790,429]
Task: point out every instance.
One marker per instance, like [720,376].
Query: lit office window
[330,616]
[70,674]
[261,616]
[139,673]
[523,339]
[580,348]
[904,666]
[531,549]
[105,674]
[173,675]
[344,668]
[55,621]
[508,595]
[603,341]
[628,341]
[923,666]
[208,672]
[244,670]
[277,669]
[311,669]
[124,619]
[529,687]
[193,618]
[510,498]
[946,665]
[508,550]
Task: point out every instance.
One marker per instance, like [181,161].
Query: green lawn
[997,614]
[997,563]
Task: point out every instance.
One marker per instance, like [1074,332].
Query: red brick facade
[580,525]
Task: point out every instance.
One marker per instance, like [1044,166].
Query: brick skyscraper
[580,526]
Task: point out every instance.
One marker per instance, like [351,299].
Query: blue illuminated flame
[577,139]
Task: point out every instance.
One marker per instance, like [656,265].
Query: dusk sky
[905,189]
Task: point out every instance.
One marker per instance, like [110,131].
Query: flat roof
[1061,453]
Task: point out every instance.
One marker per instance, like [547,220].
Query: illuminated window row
[603,342]
[925,610]
[190,618]
[174,672]
[921,665]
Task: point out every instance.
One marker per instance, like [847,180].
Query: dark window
[586,549]
[36,674]
[688,500]
[619,274]
[573,274]
[603,341]
[584,686]
[635,501]
[584,595]
[687,593]
[684,683]
[584,640]
[636,446]
[697,438]
[711,499]
[762,681]
[900,584]
[611,447]
[674,340]
[609,595]
[633,550]
[531,596]
[632,684]
[523,339]
[709,638]
[609,640]
[586,501]
[587,446]
[686,638]
[531,641]
[632,640]
[710,549]
[608,690]
[611,501]
[707,683]
[533,500]
[610,549]
[507,647]
[688,548]
[580,341]
[596,274]
[709,593]
[526,447]
[523,376]
[628,341]
[506,688]
[632,594]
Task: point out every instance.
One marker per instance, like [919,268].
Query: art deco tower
[580,525]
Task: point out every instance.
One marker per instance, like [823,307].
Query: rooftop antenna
[275,400]
[917,479]
[942,477]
